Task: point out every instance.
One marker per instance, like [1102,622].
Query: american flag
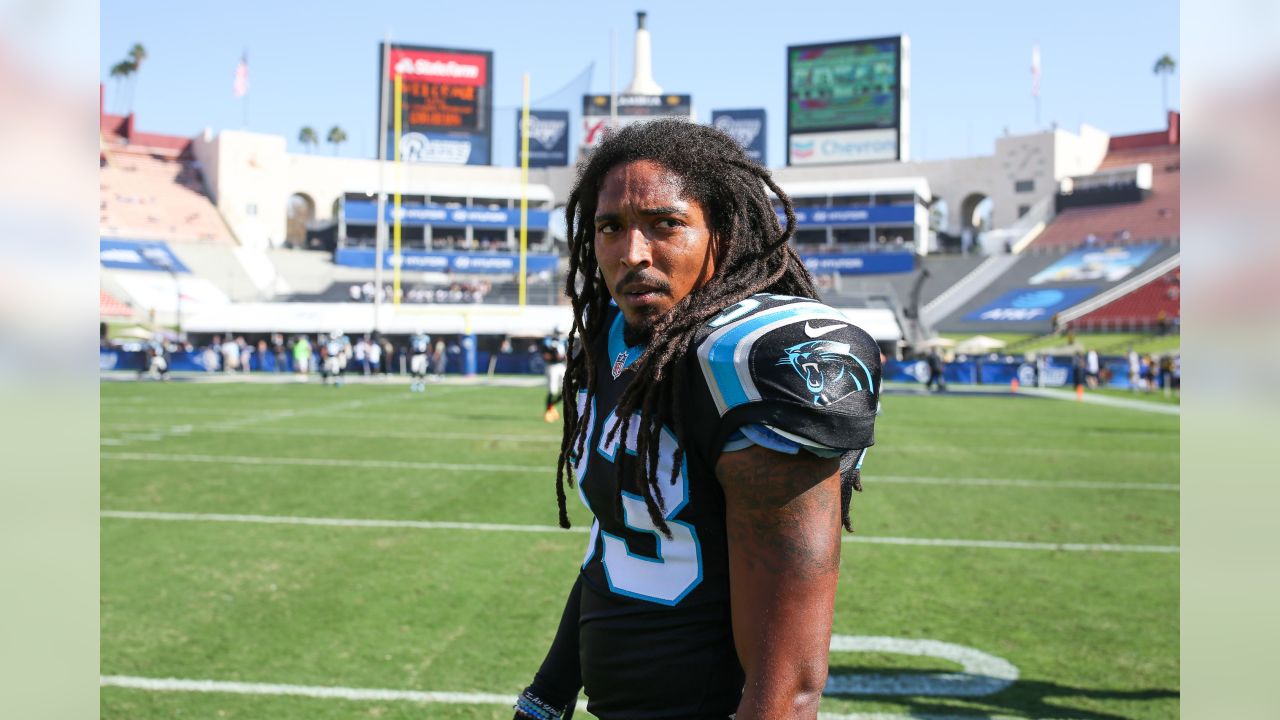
[242,76]
[1035,71]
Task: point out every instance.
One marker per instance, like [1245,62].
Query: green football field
[298,551]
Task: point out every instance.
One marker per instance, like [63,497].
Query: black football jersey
[655,637]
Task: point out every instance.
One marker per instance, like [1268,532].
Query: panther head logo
[829,369]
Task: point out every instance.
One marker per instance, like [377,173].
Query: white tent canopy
[979,344]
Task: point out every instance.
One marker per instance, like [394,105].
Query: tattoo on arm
[784,510]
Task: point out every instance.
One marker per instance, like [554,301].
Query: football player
[337,349]
[553,360]
[419,345]
[715,423]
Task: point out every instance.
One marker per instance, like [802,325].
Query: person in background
[230,356]
[1091,368]
[302,357]
[937,370]
[419,347]
[336,350]
[361,355]
[1135,370]
[373,355]
[554,358]
[278,350]
[439,359]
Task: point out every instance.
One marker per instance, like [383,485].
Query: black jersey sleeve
[795,365]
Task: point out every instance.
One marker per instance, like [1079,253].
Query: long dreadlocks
[753,256]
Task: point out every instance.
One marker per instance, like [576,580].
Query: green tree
[308,137]
[136,55]
[1164,67]
[120,73]
[337,136]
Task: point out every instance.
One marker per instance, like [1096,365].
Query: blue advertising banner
[1030,304]
[747,127]
[365,212]
[422,261]
[1106,264]
[138,255]
[855,216]
[860,263]
[548,138]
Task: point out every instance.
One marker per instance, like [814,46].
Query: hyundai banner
[745,126]
[366,212]
[860,263]
[548,138]
[858,216]
[422,261]
[1030,304]
[138,255]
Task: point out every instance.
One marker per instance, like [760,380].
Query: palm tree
[120,72]
[137,54]
[308,137]
[337,136]
[1164,67]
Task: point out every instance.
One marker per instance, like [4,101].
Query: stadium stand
[109,306]
[1155,305]
[1153,215]
[151,188]
[1113,228]
[1029,294]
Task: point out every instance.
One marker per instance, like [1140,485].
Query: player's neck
[634,337]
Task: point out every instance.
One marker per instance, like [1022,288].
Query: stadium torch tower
[641,100]
[642,82]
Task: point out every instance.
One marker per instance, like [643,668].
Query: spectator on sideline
[438,360]
[1092,368]
[301,356]
[361,355]
[936,370]
[373,356]
[230,356]
[1135,370]
[278,349]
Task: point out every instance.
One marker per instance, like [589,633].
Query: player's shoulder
[791,349]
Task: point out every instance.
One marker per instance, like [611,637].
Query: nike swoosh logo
[814,332]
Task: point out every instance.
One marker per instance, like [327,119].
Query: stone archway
[975,212]
[300,212]
[975,219]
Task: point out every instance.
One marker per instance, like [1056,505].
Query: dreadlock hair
[753,256]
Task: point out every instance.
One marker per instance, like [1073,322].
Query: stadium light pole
[380,236]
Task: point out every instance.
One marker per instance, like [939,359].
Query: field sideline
[289,550]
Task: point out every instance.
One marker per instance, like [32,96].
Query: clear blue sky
[316,63]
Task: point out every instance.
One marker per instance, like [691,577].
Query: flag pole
[524,191]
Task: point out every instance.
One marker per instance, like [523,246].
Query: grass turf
[1093,634]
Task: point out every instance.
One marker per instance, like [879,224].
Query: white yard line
[326,692]
[322,462]
[1034,484]
[499,527]
[491,467]
[312,691]
[1108,400]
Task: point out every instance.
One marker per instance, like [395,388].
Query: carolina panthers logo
[829,369]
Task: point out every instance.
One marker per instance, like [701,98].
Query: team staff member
[715,423]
